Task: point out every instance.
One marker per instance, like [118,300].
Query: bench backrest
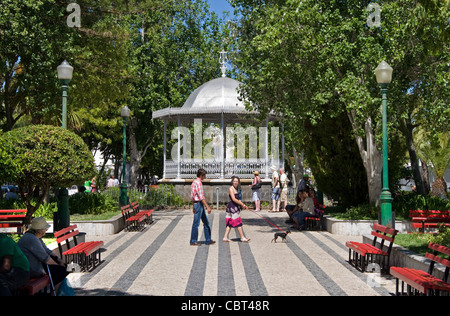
[429,213]
[12,211]
[435,258]
[64,235]
[382,232]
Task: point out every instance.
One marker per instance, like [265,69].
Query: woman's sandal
[226,240]
[245,240]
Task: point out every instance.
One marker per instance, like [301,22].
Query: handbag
[256,186]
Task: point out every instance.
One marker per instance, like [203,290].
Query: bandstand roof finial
[223,61]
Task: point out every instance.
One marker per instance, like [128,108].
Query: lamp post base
[386,209]
[123,200]
[63,209]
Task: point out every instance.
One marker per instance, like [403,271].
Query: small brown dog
[282,235]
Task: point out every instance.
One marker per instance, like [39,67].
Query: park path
[160,261]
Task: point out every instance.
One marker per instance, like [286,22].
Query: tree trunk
[420,188]
[439,188]
[135,154]
[372,159]
[425,177]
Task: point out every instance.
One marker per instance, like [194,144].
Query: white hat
[39,223]
[273,168]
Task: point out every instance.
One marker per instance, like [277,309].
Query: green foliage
[354,213]
[49,157]
[441,238]
[45,209]
[313,60]
[163,195]
[333,157]
[405,202]
[93,204]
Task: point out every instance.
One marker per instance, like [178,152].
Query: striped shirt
[197,190]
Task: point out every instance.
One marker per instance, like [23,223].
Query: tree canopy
[312,61]
[42,157]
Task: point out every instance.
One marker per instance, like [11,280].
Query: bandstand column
[178,150]
[165,149]
[222,131]
[266,146]
[282,146]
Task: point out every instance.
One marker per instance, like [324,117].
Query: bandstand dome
[214,97]
[216,101]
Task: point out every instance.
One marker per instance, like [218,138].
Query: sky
[219,6]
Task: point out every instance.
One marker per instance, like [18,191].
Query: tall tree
[175,49]
[307,55]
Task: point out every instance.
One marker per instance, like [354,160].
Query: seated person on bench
[291,209]
[38,254]
[308,210]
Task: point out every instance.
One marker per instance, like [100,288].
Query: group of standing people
[279,189]
[305,204]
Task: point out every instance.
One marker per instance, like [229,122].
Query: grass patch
[47,239]
[414,241]
[92,217]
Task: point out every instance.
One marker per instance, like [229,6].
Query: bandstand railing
[187,169]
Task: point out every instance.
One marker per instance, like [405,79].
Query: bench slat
[419,279]
[10,224]
[440,248]
[385,237]
[67,236]
[64,230]
[385,229]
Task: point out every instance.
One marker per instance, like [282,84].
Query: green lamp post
[384,77]
[125,113]
[65,72]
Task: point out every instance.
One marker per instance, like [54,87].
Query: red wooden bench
[315,222]
[132,221]
[422,281]
[364,252]
[134,218]
[12,218]
[146,213]
[36,285]
[84,254]
[429,219]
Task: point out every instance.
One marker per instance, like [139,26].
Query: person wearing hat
[256,194]
[304,183]
[39,255]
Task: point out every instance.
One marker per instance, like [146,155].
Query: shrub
[93,204]
[48,156]
[405,202]
[441,238]
[163,195]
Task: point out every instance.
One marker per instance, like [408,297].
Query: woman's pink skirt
[233,219]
